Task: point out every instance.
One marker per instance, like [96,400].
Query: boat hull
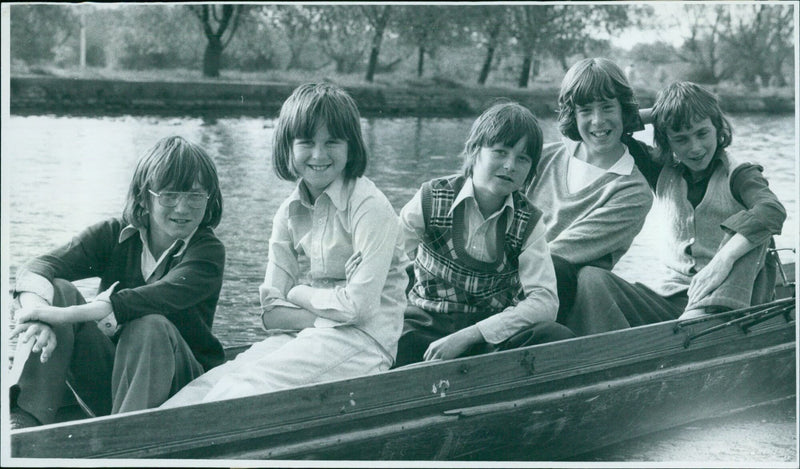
[545,402]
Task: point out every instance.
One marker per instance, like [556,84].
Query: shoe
[22,419]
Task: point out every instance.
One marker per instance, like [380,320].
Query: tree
[426,27]
[37,30]
[487,26]
[215,20]
[762,37]
[342,32]
[702,48]
[296,23]
[575,29]
[147,36]
[530,25]
[377,17]
[658,52]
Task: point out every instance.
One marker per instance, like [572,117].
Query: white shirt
[580,173]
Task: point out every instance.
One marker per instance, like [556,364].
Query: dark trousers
[149,362]
[566,284]
[605,302]
[421,328]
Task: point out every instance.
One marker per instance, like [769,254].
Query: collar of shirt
[149,263]
[623,166]
[467,192]
[336,192]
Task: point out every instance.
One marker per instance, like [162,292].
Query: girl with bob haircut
[333,294]
[716,261]
[595,200]
[148,331]
[483,278]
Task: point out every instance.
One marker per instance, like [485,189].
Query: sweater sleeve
[607,228]
[765,214]
[645,159]
[87,255]
[196,277]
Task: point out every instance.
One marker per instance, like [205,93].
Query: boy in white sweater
[593,196]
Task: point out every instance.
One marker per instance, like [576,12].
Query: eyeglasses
[171,199]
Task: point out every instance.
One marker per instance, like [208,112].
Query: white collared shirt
[148,261]
[312,241]
[580,173]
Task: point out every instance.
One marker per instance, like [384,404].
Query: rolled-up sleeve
[34,283]
[764,214]
[538,280]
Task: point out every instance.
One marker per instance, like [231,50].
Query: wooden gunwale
[314,416]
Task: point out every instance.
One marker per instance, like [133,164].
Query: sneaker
[22,419]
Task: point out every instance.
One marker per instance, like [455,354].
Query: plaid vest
[447,279]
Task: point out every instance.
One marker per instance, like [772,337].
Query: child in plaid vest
[483,276]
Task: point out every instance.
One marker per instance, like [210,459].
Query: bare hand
[453,345]
[43,313]
[352,264]
[42,334]
[709,278]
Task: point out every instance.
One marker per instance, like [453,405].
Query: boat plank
[310,412]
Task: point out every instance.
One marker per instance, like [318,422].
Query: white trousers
[286,360]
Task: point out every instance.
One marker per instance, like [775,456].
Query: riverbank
[31,94]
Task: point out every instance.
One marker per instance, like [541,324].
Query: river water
[62,173]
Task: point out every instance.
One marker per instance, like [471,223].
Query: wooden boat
[544,402]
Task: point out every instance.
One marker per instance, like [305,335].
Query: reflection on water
[63,173]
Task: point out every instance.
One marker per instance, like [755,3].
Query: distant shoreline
[37,94]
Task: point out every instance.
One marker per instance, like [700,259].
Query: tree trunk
[373,62]
[487,66]
[212,58]
[420,60]
[526,71]
[377,38]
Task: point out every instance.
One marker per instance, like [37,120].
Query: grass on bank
[547,82]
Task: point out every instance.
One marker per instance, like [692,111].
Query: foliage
[295,24]
[219,22]
[762,38]
[38,30]
[377,18]
[743,42]
[255,46]
[427,28]
[343,36]
[154,36]
[493,44]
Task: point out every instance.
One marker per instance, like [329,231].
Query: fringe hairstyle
[590,80]
[174,164]
[506,123]
[308,107]
[679,105]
